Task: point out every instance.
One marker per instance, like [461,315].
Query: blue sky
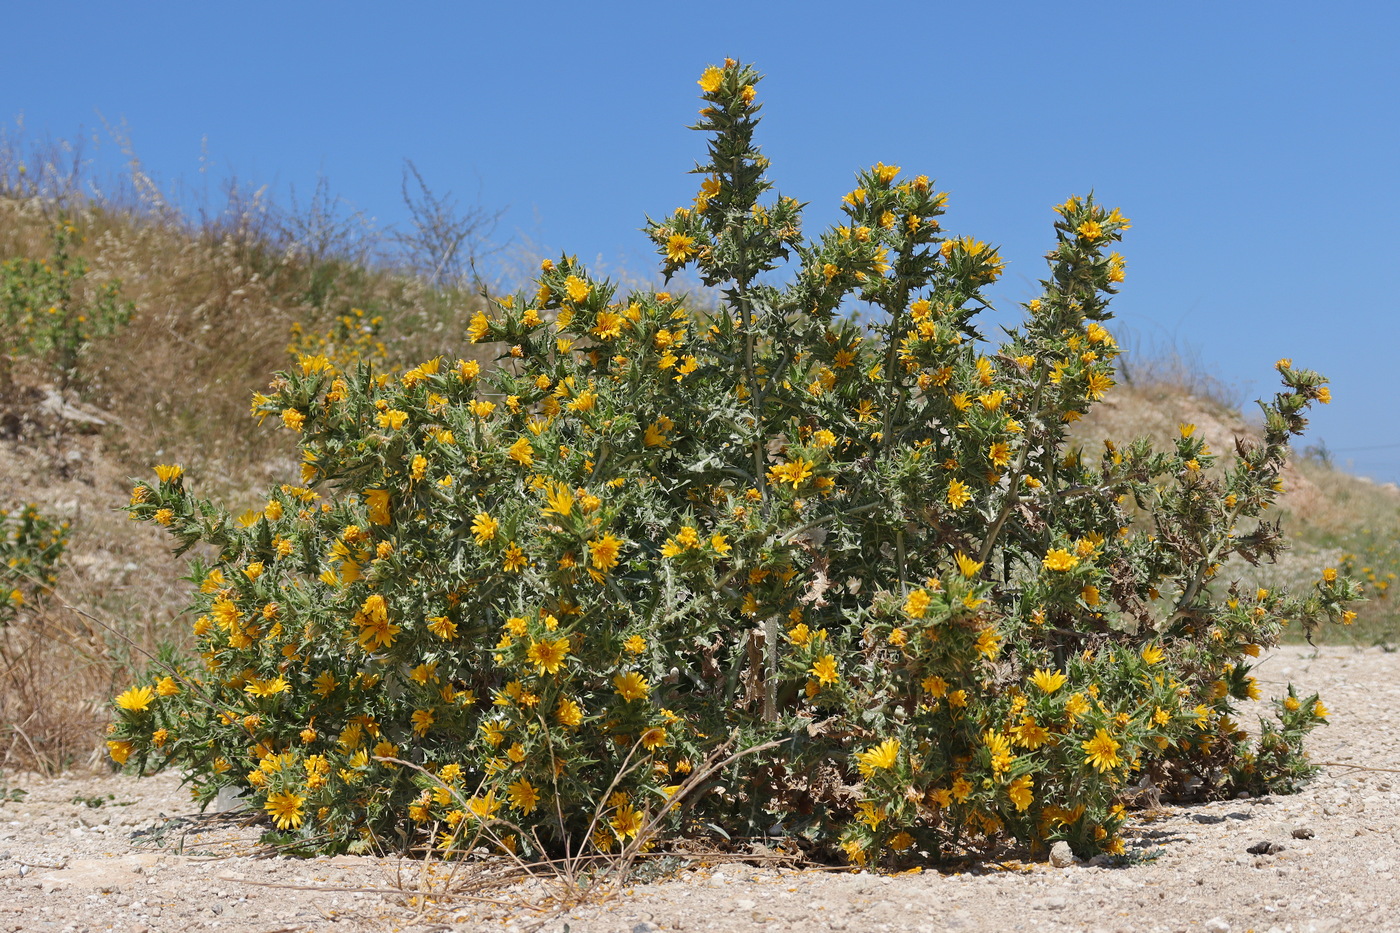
[1256,146]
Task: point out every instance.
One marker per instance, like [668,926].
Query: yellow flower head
[968,567]
[136,699]
[824,669]
[711,80]
[631,686]
[285,809]
[1101,751]
[881,757]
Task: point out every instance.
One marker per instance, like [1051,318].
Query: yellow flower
[568,713]
[1319,710]
[423,721]
[484,808]
[548,656]
[378,500]
[521,452]
[285,809]
[626,822]
[136,699]
[631,686]
[576,289]
[392,419]
[968,567]
[1059,559]
[917,604]
[514,560]
[523,796]
[1020,792]
[795,473]
[679,248]
[958,494]
[1048,681]
[1030,733]
[824,669]
[881,757]
[935,686]
[603,552]
[635,645]
[484,527]
[654,738]
[711,80]
[1153,654]
[1090,595]
[1101,751]
[169,473]
[261,687]
[120,750]
[655,437]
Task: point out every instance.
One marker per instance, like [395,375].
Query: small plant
[352,339]
[48,312]
[534,602]
[31,547]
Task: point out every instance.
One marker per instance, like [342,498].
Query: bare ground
[89,852]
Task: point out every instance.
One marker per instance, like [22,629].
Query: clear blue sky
[1256,146]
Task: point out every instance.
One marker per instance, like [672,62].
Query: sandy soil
[99,852]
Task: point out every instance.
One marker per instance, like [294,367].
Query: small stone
[744,903]
[1265,848]
[1216,925]
[1061,856]
[646,926]
[1302,832]
[1053,902]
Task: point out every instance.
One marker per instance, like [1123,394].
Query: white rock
[1061,856]
[1216,925]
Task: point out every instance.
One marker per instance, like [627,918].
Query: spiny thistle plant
[49,313]
[31,547]
[555,587]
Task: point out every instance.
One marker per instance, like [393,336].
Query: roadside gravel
[90,852]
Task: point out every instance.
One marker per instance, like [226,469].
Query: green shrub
[31,547]
[651,535]
[49,313]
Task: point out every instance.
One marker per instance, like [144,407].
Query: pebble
[1061,856]
[1216,925]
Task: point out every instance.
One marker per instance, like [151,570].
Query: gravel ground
[100,852]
